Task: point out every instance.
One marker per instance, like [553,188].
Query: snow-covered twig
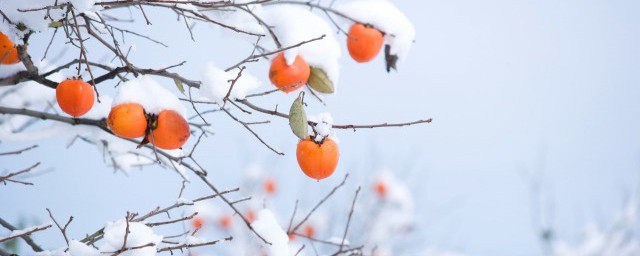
[27,239]
[188,245]
[25,232]
[96,236]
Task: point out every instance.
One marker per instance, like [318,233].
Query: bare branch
[17,152]
[320,203]
[8,176]
[62,229]
[346,228]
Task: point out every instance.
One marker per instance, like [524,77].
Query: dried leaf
[179,85]
[298,118]
[55,24]
[319,81]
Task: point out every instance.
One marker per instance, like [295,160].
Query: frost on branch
[217,82]
[140,235]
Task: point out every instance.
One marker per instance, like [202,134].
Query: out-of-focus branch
[20,151]
[35,247]
[319,204]
[346,228]
[9,176]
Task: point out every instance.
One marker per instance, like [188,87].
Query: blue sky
[514,87]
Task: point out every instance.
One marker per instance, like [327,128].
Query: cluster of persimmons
[319,160]
[169,130]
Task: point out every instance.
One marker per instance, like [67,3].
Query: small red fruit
[75,97]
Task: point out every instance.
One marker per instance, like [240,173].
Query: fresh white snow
[147,92]
[139,235]
[215,84]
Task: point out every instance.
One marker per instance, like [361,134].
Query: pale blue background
[514,87]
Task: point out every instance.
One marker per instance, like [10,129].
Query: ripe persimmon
[270,186]
[75,97]
[197,222]
[309,231]
[364,42]
[317,160]
[170,130]
[9,49]
[128,120]
[289,77]
[381,188]
[250,215]
[225,221]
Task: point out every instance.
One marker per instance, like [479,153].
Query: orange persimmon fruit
[170,130]
[270,186]
[364,42]
[128,120]
[250,215]
[75,97]
[198,222]
[9,49]
[225,221]
[317,160]
[288,78]
[381,188]
[309,231]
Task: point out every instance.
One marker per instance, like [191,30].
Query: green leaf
[319,81]
[179,85]
[55,24]
[298,118]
